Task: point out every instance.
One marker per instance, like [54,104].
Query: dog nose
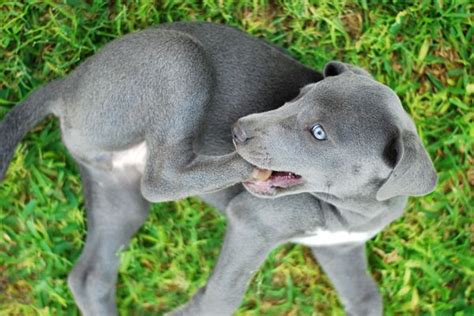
[238,134]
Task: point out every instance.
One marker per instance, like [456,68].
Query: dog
[288,154]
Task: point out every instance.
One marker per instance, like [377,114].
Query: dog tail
[24,117]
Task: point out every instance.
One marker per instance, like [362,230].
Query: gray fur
[179,88]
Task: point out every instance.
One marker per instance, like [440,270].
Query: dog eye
[318,132]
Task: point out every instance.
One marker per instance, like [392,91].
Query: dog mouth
[269,182]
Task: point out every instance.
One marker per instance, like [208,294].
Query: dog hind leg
[115,211]
[179,172]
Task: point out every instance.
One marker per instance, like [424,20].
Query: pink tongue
[283,179]
[277,179]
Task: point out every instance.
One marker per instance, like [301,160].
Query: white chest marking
[132,157]
[326,238]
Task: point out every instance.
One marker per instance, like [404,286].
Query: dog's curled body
[179,88]
[148,118]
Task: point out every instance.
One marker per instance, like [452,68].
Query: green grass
[423,262]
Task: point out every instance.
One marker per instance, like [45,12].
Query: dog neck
[361,210]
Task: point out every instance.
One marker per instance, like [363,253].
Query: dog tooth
[261,174]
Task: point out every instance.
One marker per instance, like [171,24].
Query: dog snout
[238,134]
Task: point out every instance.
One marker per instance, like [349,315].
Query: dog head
[345,135]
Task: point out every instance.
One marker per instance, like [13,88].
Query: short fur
[148,119]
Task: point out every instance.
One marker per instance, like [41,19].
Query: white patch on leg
[132,157]
[322,237]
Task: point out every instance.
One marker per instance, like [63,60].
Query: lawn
[422,262]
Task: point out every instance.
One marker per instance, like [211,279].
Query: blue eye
[318,132]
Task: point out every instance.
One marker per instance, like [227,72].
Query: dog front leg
[255,226]
[246,245]
[346,266]
[242,254]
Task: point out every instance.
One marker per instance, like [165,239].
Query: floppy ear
[335,68]
[413,172]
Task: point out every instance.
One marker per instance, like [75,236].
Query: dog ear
[335,68]
[413,172]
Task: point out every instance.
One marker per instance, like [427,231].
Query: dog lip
[271,182]
[251,189]
[273,192]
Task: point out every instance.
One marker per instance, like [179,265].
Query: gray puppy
[148,119]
